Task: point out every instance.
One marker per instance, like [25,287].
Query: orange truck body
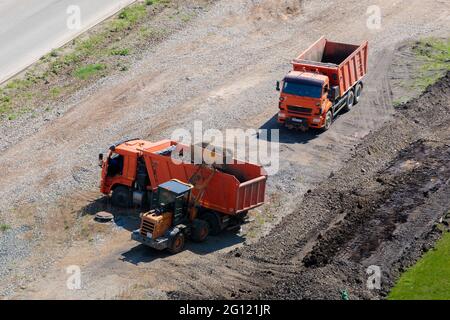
[322,78]
[234,188]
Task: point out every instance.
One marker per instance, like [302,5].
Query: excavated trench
[373,212]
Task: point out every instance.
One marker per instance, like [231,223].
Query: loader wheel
[200,230]
[358,90]
[121,197]
[350,101]
[328,120]
[214,223]
[177,243]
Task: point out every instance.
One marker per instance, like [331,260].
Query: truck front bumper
[301,123]
[297,123]
[158,244]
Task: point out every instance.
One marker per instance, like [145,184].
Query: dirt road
[225,65]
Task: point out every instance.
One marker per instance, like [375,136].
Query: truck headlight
[281,115]
[316,120]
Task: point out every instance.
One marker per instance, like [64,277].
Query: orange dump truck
[326,78]
[194,199]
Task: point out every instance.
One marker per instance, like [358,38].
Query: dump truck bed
[229,188]
[344,64]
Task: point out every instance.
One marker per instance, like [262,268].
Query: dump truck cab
[172,220]
[116,168]
[124,173]
[304,99]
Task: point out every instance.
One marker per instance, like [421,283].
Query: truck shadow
[143,254]
[129,220]
[286,135]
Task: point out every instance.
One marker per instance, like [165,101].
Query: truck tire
[177,243]
[214,222]
[121,197]
[350,101]
[328,120]
[199,230]
[358,90]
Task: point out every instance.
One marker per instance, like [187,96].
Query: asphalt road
[31,28]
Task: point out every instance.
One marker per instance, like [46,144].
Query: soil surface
[225,63]
[381,209]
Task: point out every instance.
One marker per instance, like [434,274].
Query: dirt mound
[275,10]
[374,211]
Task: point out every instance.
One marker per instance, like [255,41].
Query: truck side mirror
[278,86]
[100,159]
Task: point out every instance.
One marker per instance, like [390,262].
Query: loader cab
[173,196]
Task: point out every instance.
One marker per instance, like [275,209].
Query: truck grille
[147,226]
[301,110]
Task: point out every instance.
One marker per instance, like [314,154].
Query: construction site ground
[370,191]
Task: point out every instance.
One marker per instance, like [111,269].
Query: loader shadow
[143,254]
[127,218]
[286,135]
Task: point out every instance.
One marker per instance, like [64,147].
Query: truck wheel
[121,197]
[328,120]
[214,223]
[350,101]
[177,243]
[358,90]
[200,230]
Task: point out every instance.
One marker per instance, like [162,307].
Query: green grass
[185,17]
[152,33]
[120,52]
[436,56]
[133,13]
[128,17]
[88,71]
[429,279]
[131,16]
[4,227]
[55,92]
[5,103]
[87,46]
[155,2]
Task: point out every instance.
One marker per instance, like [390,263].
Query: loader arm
[195,200]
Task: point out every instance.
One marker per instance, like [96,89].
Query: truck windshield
[302,89]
